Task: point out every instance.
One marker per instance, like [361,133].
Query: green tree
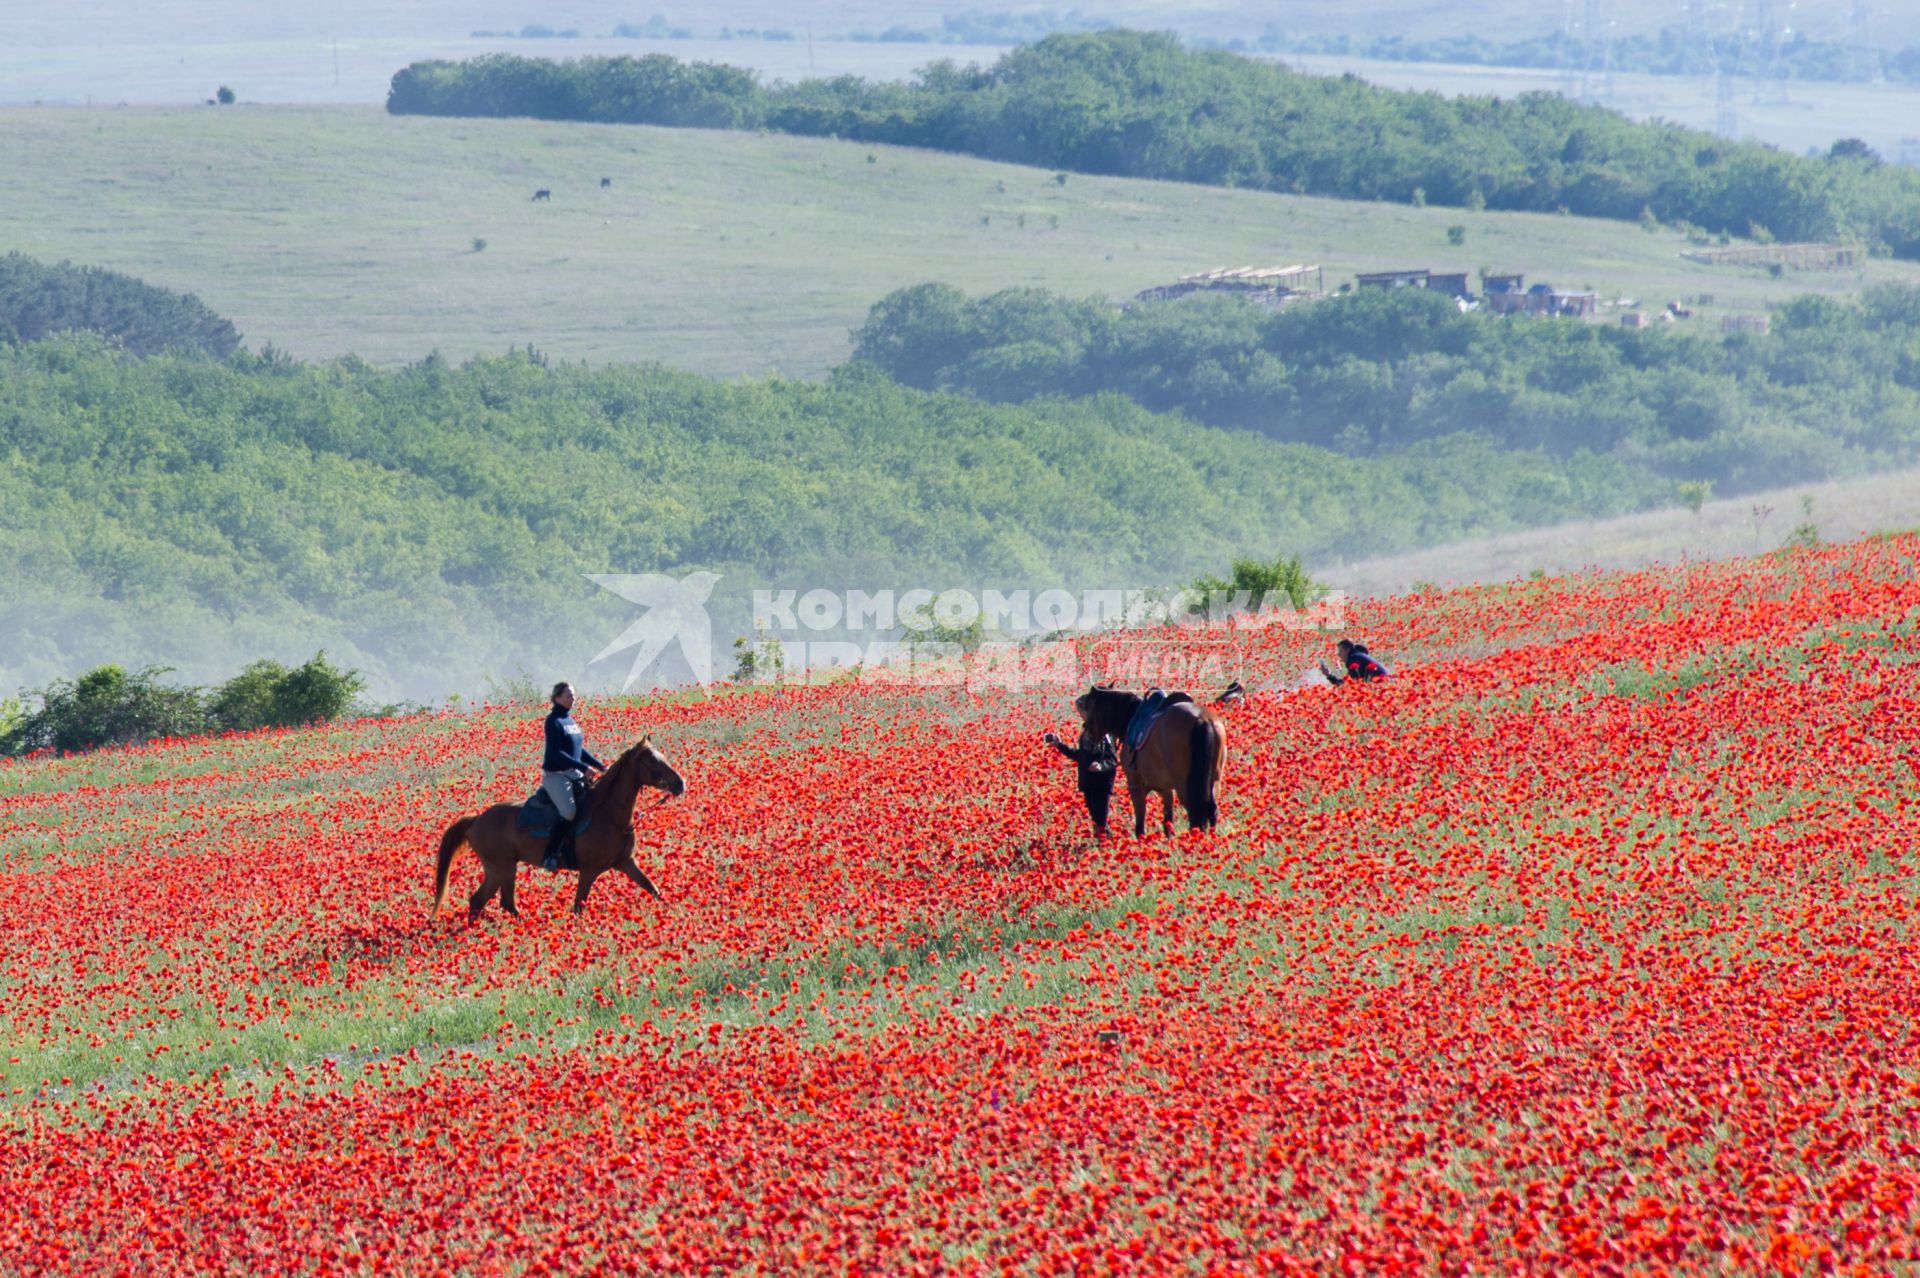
[315,692]
[245,702]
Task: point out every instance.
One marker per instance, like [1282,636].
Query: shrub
[762,662]
[106,706]
[245,701]
[1260,583]
[269,695]
[225,96]
[1456,235]
[316,692]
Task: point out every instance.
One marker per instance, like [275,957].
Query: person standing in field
[1098,764]
[564,768]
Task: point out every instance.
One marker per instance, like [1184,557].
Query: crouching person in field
[1360,666]
[1098,764]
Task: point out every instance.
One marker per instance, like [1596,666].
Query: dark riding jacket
[566,745]
[1096,761]
[1362,666]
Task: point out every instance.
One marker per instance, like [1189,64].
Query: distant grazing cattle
[605,183]
[543,194]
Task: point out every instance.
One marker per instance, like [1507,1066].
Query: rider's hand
[1051,739]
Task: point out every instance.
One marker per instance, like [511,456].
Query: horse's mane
[606,783]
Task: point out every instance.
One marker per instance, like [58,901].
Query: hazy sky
[43,23]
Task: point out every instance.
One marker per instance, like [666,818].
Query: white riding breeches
[559,788]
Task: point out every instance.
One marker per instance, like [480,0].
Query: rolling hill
[328,231]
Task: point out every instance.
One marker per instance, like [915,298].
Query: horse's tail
[1202,755]
[449,844]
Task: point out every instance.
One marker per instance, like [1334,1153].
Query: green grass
[334,230]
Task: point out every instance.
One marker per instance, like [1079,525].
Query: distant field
[357,69]
[335,230]
[1811,114]
[1841,511]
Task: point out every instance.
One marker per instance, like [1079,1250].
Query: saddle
[538,816]
[1156,703]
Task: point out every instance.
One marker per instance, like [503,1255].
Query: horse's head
[654,770]
[644,766]
[1106,709]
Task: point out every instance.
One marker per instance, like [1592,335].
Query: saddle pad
[1148,713]
[538,816]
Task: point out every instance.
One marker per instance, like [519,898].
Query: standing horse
[497,839]
[1182,752]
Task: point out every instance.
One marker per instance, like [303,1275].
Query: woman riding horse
[563,768]
[607,844]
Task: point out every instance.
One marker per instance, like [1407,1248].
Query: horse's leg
[628,866]
[484,893]
[1138,794]
[508,881]
[587,876]
[1166,813]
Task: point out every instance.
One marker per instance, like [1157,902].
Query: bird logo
[676,612]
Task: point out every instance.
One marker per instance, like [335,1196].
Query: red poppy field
[1585,944]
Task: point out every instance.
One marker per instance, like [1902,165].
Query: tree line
[110,705]
[1833,387]
[1143,105]
[433,524]
[37,299]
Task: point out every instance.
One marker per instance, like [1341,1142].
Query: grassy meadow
[328,231]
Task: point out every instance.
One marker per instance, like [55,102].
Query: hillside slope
[435,526]
[1584,945]
[337,230]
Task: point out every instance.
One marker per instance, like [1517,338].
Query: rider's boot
[550,859]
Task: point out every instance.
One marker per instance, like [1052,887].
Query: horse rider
[1361,666]
[564,769]
[1098,764]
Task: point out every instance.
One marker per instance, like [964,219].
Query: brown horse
[496,838]
[1183,752]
